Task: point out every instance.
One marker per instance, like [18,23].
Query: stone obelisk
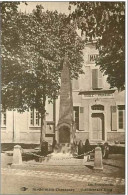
[65,129]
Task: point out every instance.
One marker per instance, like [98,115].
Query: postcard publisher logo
[23,188]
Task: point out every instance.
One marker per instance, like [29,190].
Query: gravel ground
[114,167]
[16,185]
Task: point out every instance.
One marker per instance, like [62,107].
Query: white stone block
[17,155]
[98,164]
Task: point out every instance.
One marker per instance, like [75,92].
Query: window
[79,117]
[3,119]
[92,58]
[96,79]
[118,117]
[113,118]
[34,117]
[121,116]
[97,107]
[76,116]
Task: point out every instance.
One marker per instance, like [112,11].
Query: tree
[105,23]
[33,49]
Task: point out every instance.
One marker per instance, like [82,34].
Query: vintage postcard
[63,97]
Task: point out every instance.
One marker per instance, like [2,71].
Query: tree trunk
[43,119]
[43,127]
[43,143]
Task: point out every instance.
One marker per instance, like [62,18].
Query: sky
[61,7]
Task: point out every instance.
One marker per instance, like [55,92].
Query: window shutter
[114,118]
[94,78]
[81,119]
[100,83]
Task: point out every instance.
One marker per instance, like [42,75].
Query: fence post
[17,156]
[98,164]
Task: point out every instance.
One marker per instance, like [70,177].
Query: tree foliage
[33,48]
[105,23]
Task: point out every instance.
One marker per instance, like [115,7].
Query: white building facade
[99,112]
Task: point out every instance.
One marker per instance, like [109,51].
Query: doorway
[98,126]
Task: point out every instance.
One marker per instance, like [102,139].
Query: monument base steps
[64,154]
[66,148]
[62,160]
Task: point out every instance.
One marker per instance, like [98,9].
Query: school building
[99,112]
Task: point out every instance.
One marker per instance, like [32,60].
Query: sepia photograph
[62,69]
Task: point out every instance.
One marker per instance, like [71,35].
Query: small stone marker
[17,157]
[98,165]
